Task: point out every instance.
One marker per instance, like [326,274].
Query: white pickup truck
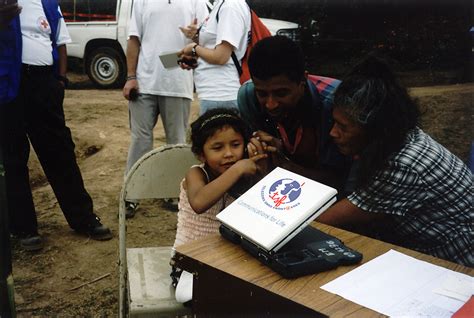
[99,36]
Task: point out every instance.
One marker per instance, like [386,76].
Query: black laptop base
[310,251]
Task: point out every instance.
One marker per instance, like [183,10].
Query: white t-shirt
[36,32]
[156,23]
[221,82]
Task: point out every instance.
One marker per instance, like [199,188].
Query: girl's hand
[248,167]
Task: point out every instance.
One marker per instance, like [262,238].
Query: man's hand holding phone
[130,90]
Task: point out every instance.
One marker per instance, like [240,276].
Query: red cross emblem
[44,24]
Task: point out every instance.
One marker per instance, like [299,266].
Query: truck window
[88,10]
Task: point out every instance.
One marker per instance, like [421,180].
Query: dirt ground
[76,276]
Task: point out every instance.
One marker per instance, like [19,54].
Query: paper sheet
[398,285]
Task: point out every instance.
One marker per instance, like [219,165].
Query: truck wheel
[106,68]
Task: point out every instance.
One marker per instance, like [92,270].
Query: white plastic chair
[145,284]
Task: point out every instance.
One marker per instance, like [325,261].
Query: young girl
[219,138]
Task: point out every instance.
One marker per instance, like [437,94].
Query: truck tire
[106,67]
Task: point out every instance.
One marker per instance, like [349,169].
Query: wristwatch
[193,50]
[63,79]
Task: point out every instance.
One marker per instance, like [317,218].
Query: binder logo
[282,194]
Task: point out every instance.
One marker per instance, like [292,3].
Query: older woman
[411,191]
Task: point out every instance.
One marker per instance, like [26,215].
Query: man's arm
[62,61]
[62,64]
[345,214]
[133,49]
[324,175]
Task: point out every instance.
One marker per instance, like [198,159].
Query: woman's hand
[190,31]
[186,59]
[187,50]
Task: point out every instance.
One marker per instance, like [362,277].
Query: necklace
[286,142]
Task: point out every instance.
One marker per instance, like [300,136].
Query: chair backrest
[156,174]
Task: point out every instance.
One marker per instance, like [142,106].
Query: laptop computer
[275,209]
[270,222]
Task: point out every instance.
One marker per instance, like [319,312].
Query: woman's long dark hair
[374,98]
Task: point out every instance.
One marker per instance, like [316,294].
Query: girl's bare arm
[202,196]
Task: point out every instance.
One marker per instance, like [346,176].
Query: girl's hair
[213,120]
[372,96]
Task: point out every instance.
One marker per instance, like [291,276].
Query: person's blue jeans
[205,105]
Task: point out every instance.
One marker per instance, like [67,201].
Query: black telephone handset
[133,94]
[317,257]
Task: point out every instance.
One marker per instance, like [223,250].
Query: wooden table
[229,281]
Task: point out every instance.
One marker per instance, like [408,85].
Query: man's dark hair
[374,98]
[211,121]
[274,56]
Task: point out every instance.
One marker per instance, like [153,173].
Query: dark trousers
[37,115]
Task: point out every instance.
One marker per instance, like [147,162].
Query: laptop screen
[277,208]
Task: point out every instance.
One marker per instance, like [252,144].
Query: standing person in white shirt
[225,31]
[36,115]
[152,89]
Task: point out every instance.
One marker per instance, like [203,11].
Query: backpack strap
[237,63]
[219,9]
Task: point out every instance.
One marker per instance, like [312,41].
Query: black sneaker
[30,242]
[130,209]
[171,205]
[95,230]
